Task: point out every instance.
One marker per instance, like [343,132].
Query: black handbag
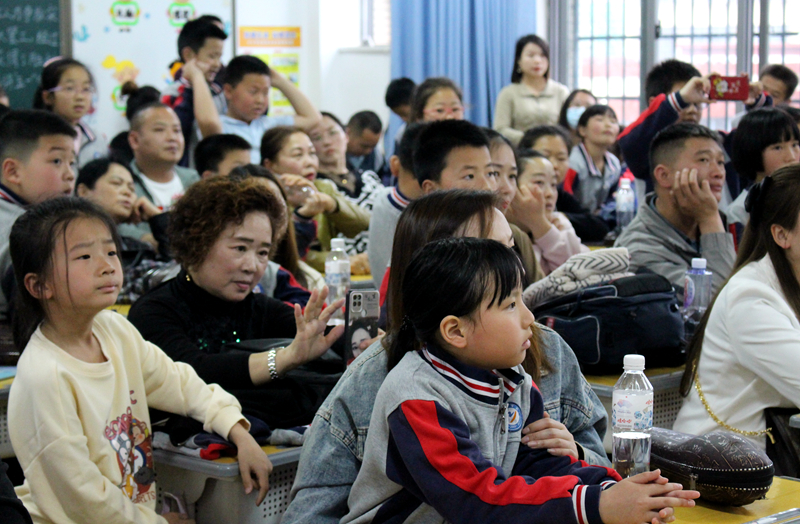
[724,467]
[636,314]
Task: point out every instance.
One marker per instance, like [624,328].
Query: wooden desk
[784,495]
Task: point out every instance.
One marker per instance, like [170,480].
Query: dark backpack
[636,314]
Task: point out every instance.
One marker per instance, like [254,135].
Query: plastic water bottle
[696,295]
[337,277]
[626,204]
[632,419]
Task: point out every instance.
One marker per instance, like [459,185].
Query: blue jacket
[334,447]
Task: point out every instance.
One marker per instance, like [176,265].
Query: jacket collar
[398,199]
[9,196]
[489,386]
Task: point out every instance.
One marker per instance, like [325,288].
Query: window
[784,36]
[376,22]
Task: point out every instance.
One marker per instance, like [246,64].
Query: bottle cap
[698,263]
[625,182]
[633,362]
[338,243]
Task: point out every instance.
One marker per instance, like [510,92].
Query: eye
[513,305]
[264,253]
[240,249]
[469,176]
[112,253]
[82,257]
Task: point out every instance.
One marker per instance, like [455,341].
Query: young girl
[574,106]
[444,440]
[594,171]
[66,88]
[86,379]
[552,233]
[765,140]
[437,98]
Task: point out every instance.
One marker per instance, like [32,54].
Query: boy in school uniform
[247,84]
[779,81]
[196,95]
[218,155]
[37,162]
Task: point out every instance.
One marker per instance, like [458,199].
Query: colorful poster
[280,48]
[287,64]
[269,36]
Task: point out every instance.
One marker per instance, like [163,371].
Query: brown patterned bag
[724,467]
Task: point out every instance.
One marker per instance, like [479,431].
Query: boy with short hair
[195,95]
[398,97]
[779,81]
[247,83]
[37,162]
[681,219]
[218,155]
[363,132]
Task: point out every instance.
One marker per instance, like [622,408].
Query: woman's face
[444,104]
[114,192]
[555,149]
[297,157]
[504,163]
[532,62]
[237,260]
[329,140]
[778,155]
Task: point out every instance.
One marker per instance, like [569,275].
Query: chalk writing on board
[29,14]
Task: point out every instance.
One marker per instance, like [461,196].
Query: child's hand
[195,71]
[177,518]
[549,434]
[696,90]
[644,498]
[528,210]
[254,466]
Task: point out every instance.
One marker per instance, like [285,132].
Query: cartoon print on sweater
[132,441]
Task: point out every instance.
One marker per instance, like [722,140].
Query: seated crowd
[214,219]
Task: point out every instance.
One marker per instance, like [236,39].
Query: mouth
[110,288]
[242,285]
[505,204]
[127,204]
[526,345]
[550,207]
[310,175]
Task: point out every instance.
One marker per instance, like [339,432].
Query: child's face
[87,274]
[465,168]
[444,104]
[776,88]
[233,159]
[159,137]
[73,96]
[779,155]
[499,336]
[600,130]
[211,54]
[330,141]
[297,157]
[250,98]
[555,149]
[114,192]
[48,172]
[539,172]
[505,165]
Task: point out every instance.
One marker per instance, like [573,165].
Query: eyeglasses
[72,90]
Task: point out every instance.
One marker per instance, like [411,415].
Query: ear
[38,289]
[266,162]
[49,98]
[82,190]
[781,236]
[12,171]
[133,139]
[394,165]
[663,176]
[453,331]
[227,90]
[187,53]
[429,186]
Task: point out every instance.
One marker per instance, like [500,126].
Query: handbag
[724,467]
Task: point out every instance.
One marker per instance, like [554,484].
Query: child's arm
[205,112]
[558,245]
[307,115]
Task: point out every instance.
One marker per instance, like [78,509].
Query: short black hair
[663,76]
[400,92]
[332,117]
[407,145]
[94,171]
[213,149]
[365,120]
[784,74]
[595,110]
[21,129]
[244,65]
[671,139]
[195,32]
[214,19]
[536,132]
[759,129]
[136,117]
[436,141]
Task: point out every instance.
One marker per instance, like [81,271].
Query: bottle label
[631,412]
[337,272]
[688,291]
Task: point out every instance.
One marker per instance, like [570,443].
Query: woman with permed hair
[222,232]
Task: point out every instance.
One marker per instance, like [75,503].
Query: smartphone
[361,314]
[729,87]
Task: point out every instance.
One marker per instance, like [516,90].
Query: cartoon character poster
[122,71]
[133,444]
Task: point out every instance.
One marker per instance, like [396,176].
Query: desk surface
[224,467]
[784,494]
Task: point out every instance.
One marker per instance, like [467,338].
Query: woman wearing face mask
[532,98]
[574,106]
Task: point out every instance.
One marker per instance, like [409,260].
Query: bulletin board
[121,40]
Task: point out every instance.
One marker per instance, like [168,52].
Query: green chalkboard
[29,35]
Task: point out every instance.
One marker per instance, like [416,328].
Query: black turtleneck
[192,326]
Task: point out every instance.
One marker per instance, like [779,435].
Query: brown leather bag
[724,467]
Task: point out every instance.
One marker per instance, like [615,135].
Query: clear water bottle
[337,277]
[632,419]
[626,205]
[696,295]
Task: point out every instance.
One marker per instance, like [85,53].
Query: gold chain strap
[760,433]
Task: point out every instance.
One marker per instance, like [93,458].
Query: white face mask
[574,114]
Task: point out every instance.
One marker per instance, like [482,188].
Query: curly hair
[210,206]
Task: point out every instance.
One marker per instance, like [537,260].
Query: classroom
[352,261]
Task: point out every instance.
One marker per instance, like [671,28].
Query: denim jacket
[334,446]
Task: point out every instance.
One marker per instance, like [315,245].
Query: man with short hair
[363,134]
[680,220]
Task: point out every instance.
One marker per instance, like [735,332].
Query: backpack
[603,323]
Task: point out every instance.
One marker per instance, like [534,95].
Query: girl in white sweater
[78,411]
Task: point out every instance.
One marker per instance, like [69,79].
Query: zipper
[746,478]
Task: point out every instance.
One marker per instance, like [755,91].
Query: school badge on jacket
[515,419]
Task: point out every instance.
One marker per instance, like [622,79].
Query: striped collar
[590,163]
[86,131]
[9,196]
[480,384]
[398,199]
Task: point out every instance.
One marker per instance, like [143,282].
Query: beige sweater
[82,432]
[518,109]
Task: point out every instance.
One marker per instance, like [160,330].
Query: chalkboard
[29,35]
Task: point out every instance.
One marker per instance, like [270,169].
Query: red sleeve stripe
[652,108]
[607,484]
[441,451]
[579,503]
[384,290]
[673,101]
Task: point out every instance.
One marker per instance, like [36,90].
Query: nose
[107,267]
[527,316]
[249,262]
[69,173]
